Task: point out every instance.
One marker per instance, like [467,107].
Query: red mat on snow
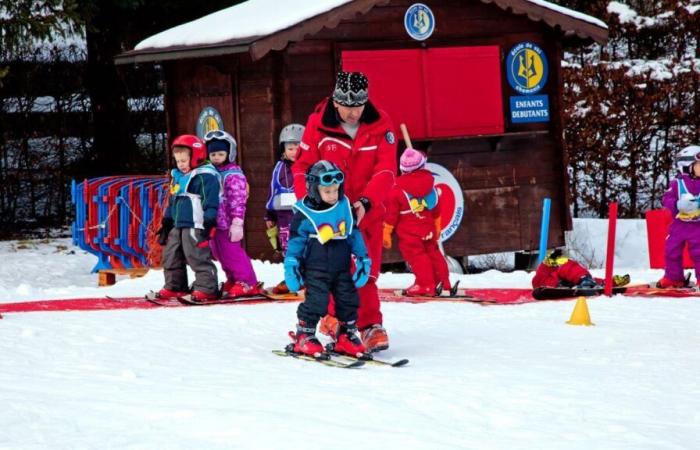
[486,296]
[483,296]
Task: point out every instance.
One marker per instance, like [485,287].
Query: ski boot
[167,294]
[347,342]
[281,288]
[665,283]
[305,341]
[241,289]
[375,338]
[419,291]
[587,282]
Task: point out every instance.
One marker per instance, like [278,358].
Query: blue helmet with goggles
[323,173]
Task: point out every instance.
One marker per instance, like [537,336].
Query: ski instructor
[348,130]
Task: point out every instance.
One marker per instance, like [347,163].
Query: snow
[255,18]
[624,12]
[570,12]
[245,20]
[480,377]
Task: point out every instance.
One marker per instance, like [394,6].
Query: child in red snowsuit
[557,270]
[412,209]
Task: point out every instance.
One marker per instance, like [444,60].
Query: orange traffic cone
[580,315]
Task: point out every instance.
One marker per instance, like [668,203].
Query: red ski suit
[369,165]
[416,230]
[569,274]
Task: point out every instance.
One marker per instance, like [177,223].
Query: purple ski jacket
[234,196]
[671,196]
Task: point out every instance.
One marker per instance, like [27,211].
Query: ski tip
[355,364]
[400,363]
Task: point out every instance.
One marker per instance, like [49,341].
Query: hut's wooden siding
[504,178]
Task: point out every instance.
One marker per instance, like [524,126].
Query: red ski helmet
[196,146]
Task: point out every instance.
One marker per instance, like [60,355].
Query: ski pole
[544,229]
[610,258]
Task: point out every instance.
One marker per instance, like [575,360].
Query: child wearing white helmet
[683,200]
[278,215]
[226,245]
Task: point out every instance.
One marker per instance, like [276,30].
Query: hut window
[437,92]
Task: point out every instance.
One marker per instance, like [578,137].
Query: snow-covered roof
[245,20]
[259,26]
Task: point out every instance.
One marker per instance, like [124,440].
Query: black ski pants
[319,285]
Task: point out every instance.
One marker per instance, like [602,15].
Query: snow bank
[56,269]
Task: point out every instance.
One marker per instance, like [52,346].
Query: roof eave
[179,52]
[555,19]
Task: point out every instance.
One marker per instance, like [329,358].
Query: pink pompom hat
[411,160]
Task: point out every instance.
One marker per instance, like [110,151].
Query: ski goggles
[331,177]
[214,134]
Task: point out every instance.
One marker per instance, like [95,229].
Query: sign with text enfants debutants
[527,70]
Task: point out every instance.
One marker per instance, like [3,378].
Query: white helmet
[291,133]
[686,157]
[219,140]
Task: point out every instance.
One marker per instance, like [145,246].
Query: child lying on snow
[558,270]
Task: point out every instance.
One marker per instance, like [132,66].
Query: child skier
[188,221]
[412,208]
[558,270]
[278,216]
[226,245]
[323,238]
[682,199]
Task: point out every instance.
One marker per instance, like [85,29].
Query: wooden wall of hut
[504,177]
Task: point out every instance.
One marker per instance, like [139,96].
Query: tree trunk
[113,146]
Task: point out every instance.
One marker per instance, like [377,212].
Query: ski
[284,297]
[367,358]
[550,293]
[455,296]
[653,291]
[187,300]
[152,297]
[326,361]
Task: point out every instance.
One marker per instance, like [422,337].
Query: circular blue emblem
[526,68]
[209,119]
[419,21]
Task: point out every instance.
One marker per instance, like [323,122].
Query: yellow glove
[688,216]
[386,235]
[272,234]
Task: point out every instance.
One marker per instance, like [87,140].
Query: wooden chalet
[451,88]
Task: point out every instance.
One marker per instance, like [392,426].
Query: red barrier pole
[610,259]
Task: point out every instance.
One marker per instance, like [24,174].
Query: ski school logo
[526,67]
[451,200]
[419,21]
[209,119]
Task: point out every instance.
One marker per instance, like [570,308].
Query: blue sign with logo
[419,21]
[529,108]
[209,119]
[526,68]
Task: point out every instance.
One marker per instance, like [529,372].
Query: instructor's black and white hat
[351,89]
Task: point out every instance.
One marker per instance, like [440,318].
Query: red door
[440,92]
